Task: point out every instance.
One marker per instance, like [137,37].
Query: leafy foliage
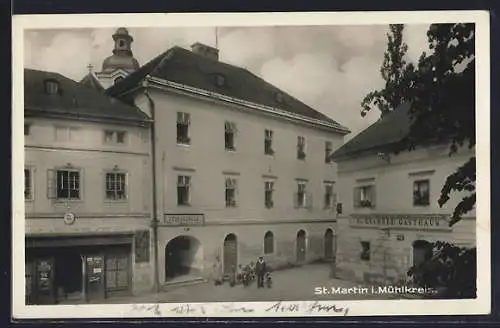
[396,72]
[441,92]
[451,271]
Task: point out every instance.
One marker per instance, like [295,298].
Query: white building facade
[242,169]
[391,201]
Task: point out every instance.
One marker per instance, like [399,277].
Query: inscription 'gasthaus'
[183,219]
[401,221]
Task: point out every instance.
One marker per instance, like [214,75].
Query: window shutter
[51,184]
[356,196]
[373,195]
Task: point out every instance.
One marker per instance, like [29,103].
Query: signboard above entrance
[401,221]
[182,220]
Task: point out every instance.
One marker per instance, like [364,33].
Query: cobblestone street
[289,285]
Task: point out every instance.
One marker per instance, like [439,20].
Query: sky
[330,68]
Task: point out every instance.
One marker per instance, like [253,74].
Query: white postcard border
[481,305]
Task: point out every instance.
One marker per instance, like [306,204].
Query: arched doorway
[330,244]
[301,246]
[422,251]
[230,253]
[183,257]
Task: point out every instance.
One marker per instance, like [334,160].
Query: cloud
[330,68]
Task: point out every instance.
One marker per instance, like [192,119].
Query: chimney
[206,51]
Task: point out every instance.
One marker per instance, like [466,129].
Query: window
[421,195]
[115,186]
[230,192]
[229,134]
[328,152]
[68,184]
[268,194]
[65,133]
[28,184]
[220,80]
[365,251]
[51,87]
[118,79]
[364,196]
[301,196]
[122,43]
[114,137]
[183,186]
[183,122]
[268,243]
[268,142]
[27,129]
[301,148]
[329,195]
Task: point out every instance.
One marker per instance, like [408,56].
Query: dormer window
[118,79]
[220,80]
[279,98]
[51,87]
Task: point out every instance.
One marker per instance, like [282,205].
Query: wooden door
[230,254]
[94,267]
[329,245]
[301,246]
[117,272]
[44,285]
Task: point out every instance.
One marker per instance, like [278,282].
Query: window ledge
[183,205]
[110,201]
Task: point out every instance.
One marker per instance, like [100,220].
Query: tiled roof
[384,133]
[73,99]
[185,67]
[92,81]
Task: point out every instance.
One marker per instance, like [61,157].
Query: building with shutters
[242,169]
[87,193]
[389,202]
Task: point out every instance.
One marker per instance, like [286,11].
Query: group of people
[245,274]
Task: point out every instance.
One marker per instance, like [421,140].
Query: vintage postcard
[251,165]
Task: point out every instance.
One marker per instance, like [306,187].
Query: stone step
[182,282]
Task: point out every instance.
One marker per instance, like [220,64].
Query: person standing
[260,270]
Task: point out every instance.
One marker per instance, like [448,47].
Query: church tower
[121,63]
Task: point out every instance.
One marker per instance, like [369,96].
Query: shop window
[365,251]
[117,272]
[421,195]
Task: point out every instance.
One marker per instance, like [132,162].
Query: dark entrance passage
[330,245]
[182,255]
[230,254]
[69,273]
[301,246]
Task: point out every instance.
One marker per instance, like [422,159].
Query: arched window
[268,243]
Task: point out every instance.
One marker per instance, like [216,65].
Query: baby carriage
[268,280]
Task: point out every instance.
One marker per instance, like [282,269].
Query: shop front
[81,269]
